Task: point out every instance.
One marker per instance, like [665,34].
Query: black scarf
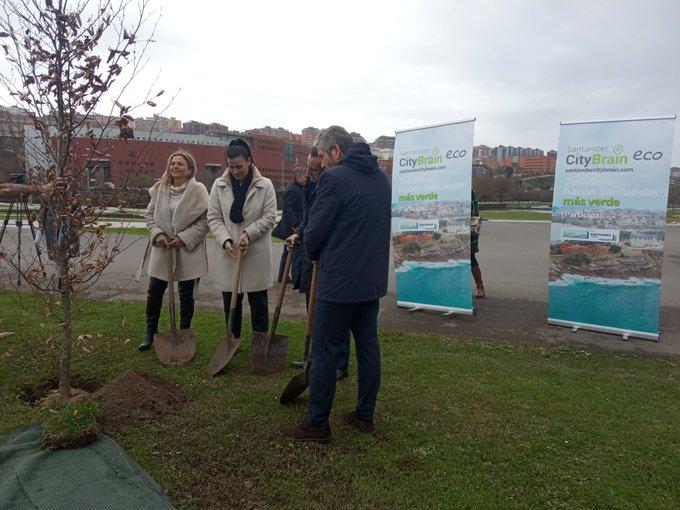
[240,189]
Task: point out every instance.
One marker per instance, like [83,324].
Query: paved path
[513,258]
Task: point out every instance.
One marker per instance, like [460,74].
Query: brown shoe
[365,427]
[304,432]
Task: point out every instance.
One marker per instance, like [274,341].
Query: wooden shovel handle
[312,299]
[282,291]
[171,289]
[237,280]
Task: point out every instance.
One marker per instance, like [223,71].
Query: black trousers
[154,303]
[259,311]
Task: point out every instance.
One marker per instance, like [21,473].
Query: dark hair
[239,147]
[314,152]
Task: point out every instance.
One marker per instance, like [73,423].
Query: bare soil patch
[136,397]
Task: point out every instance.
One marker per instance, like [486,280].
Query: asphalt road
[514,259]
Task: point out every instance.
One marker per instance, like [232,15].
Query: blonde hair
[166,178]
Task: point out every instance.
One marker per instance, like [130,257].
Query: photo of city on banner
[431,201]
[608,225]
[606,236]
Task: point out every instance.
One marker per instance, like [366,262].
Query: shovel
[174,348]
[300,382]
[268,350]
[227,348]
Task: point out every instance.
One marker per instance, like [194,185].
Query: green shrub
[577,259]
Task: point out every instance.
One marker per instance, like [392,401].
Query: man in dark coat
[304,277]
[348,233]
[291,217]
[304,280]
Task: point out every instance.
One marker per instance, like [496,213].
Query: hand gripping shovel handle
[282,291]
[234,292]
[171,289]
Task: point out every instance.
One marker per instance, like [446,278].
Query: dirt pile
[136,397]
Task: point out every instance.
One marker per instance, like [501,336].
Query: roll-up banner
[608,225]
[431,200]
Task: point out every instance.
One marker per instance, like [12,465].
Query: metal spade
[227,348]
[268,350]
[176,347]
[300,382]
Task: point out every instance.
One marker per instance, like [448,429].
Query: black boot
[146,343]
[154,303]
[186,303]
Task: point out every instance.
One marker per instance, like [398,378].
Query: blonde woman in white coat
[177,220]
[241,215]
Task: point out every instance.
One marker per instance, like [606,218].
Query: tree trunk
[66,337]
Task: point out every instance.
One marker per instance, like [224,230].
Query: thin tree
[65,58]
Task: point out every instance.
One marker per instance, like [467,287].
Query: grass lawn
[515,215]
[461,423]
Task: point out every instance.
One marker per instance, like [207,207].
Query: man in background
[291,217]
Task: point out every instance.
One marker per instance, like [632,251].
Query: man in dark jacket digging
[304,277]
[348,233]
[291,217]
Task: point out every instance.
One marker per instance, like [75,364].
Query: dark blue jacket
[303,282]
[291,216]
[348,229]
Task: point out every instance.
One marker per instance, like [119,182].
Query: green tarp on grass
[100,476]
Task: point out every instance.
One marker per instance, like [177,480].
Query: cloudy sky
[519,67]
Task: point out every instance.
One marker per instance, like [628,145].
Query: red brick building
[538,165]
[139,161]
[386,165]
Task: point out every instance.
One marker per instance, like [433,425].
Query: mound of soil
[137,397]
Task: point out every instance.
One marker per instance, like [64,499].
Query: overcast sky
[519,67]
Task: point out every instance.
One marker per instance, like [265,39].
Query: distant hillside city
[140,159]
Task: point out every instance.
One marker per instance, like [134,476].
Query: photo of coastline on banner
[431,201]
[608,225]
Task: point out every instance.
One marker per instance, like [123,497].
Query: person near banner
[176,218]
[348,233]
[475,226]
[291,217]
[303,281]
[241,215]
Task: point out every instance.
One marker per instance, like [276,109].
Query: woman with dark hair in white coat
[241,215]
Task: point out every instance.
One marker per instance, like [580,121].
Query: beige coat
[259,213]
[189,223]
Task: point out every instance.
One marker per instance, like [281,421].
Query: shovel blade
[175,350]
[225,351]
[268,359]
[296,386]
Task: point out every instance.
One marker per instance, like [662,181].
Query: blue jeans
[330,345]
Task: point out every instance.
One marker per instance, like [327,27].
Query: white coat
[259,213]
[189,222]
